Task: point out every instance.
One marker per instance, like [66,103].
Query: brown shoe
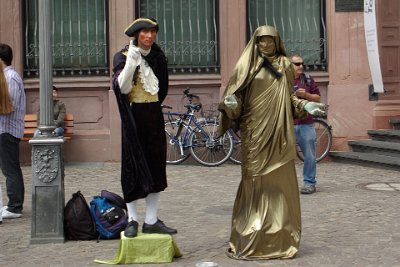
[158,228]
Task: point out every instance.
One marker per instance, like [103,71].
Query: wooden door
[388,20]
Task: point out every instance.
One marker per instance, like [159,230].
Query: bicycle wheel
[236,156]
[206,148]
[175,153]
[323,141]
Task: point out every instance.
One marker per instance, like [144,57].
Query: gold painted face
[266,45]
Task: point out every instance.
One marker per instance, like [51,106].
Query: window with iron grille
[79,38]
[301,25]
[187,34]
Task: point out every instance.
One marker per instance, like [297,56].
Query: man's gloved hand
[133,52]
[230,101]
[315,109]
[133,59]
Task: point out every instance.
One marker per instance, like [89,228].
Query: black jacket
[143,160]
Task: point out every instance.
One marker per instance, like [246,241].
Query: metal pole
[47,149]
[46,68]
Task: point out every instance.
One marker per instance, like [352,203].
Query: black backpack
[78,222]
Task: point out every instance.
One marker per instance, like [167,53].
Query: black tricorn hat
[141,23]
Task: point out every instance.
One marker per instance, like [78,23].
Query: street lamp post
[47,149]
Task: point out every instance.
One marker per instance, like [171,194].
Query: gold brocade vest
[139,95]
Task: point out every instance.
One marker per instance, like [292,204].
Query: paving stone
[344,224]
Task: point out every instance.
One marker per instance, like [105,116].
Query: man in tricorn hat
[140,84]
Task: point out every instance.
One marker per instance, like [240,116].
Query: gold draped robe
[266,219]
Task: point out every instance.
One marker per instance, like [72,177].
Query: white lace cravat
[149,79]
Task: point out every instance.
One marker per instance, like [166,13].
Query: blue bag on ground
[109,214]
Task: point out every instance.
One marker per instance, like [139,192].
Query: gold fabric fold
[266,220]
[267,130]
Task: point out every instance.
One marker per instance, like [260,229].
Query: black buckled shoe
[158,228]
[131,229]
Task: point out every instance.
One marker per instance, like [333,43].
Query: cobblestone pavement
[352,220]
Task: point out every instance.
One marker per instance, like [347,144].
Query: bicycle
[212,113]
[323,142]
[236,156]
[187,135]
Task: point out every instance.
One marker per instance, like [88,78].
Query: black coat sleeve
[163,79]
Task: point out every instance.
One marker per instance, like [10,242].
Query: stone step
[377,147]
[385,135]
[396,123]
[367,159]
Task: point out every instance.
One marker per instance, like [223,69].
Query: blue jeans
[10,166]
[59,131]
[305,137]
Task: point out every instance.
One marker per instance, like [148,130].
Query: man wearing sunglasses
[306,88]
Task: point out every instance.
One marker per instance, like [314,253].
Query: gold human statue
[266,219]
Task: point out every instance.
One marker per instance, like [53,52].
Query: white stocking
[152,208]
[1,204]
[132,211]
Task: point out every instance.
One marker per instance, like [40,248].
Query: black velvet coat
[143,162]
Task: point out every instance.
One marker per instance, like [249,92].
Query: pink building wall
[97,128]
[350,111]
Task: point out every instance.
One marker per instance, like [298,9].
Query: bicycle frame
[186,119]
[199,139]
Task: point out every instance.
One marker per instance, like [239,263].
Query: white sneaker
[1,213]
[10,215]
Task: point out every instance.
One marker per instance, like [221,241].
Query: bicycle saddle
[195,107]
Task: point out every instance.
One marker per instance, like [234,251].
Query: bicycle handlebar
[189,95]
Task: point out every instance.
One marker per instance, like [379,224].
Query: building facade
[203,40]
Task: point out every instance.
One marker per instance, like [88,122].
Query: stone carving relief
[45,163]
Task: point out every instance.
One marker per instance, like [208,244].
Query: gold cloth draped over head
[247,67]
[251,61]
[266,218]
